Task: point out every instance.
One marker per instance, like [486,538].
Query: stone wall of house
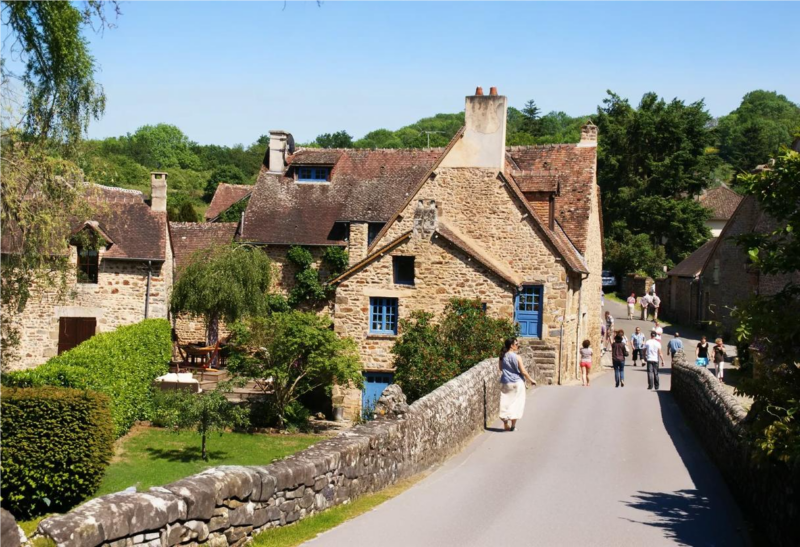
[358,241]
[117,299]
[225,505]
[632,283]
[679,299]
[767,492]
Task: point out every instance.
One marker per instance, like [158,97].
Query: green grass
[311,527]
[152,457]
[29,526]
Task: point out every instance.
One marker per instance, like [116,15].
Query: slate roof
[692,265]
[134,230]
[225,196]
[568,167]
[722,201]
[190,237]
[365,185]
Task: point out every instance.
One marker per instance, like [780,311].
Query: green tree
[430,353]
[162,146]
[223,283]
[309,287]
[204,412]
[229,174]
[754,132]
[532,113]
[767,329]
[652,161]
[340,139]
[186,213]
[290,354]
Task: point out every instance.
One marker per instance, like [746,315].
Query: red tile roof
[225,196]
[190,237]
[692,265]
[722,201]
[365,185]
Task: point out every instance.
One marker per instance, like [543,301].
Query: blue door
[374,384]
[528,311]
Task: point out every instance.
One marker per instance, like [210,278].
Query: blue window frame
[374,384]
[383,315]
[313,174]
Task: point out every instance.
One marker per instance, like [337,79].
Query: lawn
[152,457]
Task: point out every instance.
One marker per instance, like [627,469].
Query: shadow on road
[682,515]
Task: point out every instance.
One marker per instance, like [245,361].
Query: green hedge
[122,364]
[57,443]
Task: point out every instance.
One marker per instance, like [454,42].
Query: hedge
[122,364]
[57,443]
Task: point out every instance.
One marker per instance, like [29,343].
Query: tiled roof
[692,265]
[225,196]
[122,217]
[190,237]
[365,185]
[569,166]
[722,201]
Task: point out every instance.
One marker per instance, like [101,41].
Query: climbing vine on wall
[309,285]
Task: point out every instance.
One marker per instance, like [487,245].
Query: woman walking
[586,362]
[719,358]
[618,352]
[609,330]
[631,305]
[701,353]
[512,385]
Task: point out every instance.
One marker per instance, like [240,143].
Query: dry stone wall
[224,506]
[769,493]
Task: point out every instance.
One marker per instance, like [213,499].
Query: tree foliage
[430,353]
[162,146]
[340,139]
[754,132]
[767,330]
[229,174]
[310,288]
[652,161]
[223,283]
[290,354]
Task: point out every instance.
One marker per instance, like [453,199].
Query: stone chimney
[158,191]
[484,141]
[280,143]
[588,135]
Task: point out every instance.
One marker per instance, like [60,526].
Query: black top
[702,350]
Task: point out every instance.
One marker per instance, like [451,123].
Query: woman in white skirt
[512,385]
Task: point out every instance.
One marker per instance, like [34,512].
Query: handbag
[625,351]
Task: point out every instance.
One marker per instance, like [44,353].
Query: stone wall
[117,299]
[637,284]
[225,505]
[767,492]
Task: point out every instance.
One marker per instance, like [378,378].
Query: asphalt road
[587,466]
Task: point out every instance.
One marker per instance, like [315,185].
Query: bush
[57,443]
[429,354]
[122,364]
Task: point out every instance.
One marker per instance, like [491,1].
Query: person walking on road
[654,359]
[637,345]
[644,302]
[658,330]
[656,301]
[609,330]
[719,358]
[619,350]
[631,305]
[512,385]
[701,353]
[673,346]
[586,362]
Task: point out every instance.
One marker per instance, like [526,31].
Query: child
[586,362]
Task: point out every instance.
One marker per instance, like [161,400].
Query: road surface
[587,466]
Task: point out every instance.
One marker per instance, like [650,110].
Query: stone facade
[224,506]
[769,493]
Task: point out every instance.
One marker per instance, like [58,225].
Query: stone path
[596,466]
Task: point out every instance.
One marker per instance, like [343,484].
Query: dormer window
[88,265]
[307,173]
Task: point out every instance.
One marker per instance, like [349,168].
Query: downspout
[147,291]
[578,333]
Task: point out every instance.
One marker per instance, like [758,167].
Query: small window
[313,174]
[373,230]
[716,271]
[383,315]
[88,262]
[403,270]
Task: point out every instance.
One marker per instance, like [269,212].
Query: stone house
[225,197]
[722,202]
[124,281]
[681,295]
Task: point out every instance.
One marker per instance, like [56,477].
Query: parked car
[609,280]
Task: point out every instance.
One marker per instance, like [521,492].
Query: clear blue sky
[228,72]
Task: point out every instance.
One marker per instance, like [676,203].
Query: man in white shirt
[652,349]
[658,330]
[645,303]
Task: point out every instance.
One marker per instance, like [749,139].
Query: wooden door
[74,330]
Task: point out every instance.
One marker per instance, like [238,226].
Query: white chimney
[484,141]
[158,191]
[279,142]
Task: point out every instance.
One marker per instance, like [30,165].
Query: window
[403,267]
[313,174]
[383,315]
[373,230]
[88,261]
